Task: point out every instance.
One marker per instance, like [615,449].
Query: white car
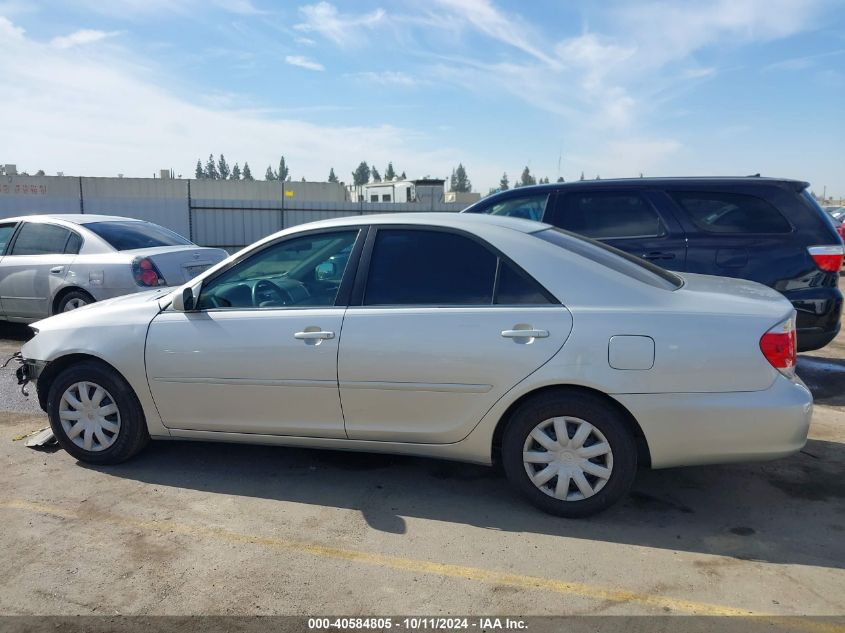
[56,263]
[466,337]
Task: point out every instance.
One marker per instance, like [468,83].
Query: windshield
[613,258]
[128,236]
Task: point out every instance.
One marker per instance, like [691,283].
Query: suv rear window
[613,258]
[127,236]
[717,212]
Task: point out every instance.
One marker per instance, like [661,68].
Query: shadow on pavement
[790,511]
[825,377]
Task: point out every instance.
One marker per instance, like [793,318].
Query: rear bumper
[819,312]
[685,429]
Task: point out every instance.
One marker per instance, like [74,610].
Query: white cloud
[304,62]
[511,30]
[386,78]
[80,38]
[344,30]
[104,115]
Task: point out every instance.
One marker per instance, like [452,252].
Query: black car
[768,230]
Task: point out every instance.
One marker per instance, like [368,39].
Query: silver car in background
[56,263]
[470,337]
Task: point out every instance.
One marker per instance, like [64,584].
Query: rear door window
[419,267]
[440,268]
[717,212]
[608,215]
[40,239]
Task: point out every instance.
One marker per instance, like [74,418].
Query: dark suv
[768,230]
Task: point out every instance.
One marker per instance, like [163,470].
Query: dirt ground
[197,528]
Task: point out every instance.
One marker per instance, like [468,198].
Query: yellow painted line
[593,592]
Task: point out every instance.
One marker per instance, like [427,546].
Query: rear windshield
[613,258]
[127,236]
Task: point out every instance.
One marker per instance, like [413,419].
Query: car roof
[73,218]
[448,220]
[668,181]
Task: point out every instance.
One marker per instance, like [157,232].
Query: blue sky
[614,88]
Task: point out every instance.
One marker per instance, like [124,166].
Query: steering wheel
[265,287]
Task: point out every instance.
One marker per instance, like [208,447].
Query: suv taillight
[146,273]
[828,258]
[780,346]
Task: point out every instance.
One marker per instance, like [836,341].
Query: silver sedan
[468,337]
[56,263]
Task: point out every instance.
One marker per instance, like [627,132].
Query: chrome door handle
[57,269]
[311,336]
[525,333]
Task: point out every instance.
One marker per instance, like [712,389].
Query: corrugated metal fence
[210,213]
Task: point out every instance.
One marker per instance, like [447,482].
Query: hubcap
[74,303]
[567,458]
[89,416]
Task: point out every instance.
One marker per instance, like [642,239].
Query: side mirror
[184,301]
[326,270]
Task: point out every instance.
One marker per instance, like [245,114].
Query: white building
[424,190]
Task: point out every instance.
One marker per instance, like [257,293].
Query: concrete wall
[229,214]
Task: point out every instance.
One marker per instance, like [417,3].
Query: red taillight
[146,273]
[780,347]
[828,258]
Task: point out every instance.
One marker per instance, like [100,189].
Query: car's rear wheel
[571,454]
[73,300]
[95,415]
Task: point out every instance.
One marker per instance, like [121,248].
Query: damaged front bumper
[27,371]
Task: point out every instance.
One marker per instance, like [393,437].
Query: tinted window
[300,272]
[530,207]
[613,258]
[608,215]
[6,231]
[410,267]
[127,236]
[515,287]
[74,243]
[40,239]
[731,212]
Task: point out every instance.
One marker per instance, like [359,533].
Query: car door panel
[429,374]
[247,371]
[33,270]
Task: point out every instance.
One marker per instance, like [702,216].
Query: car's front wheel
[571,454]
[95,415]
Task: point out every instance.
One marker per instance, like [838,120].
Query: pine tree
[361,175]
[199,172]
[582,176]
[270,174]
[223,168]
[389,173]
[247,173]
[560,179]
[403,176]
[527,178]
[236,172]
[283,172]
[504,183]
[376,176]
[332,176]
[459,180]
[211,168]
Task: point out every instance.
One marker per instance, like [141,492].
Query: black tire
[604,417]
[74,296]
[132,435]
